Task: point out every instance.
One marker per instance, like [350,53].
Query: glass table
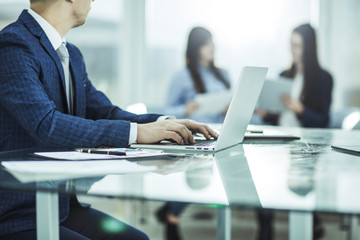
[301,177]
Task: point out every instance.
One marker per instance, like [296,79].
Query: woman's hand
[261,112]
[225,110]
[191,107]
[292,104]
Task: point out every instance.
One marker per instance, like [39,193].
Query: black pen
[95,150]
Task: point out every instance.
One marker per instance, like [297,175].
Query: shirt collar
[52,34]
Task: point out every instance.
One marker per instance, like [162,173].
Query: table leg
[354,228]
[300,225]
[47,215]
[223,231]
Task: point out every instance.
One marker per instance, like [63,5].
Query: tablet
[350,149]
[270,96]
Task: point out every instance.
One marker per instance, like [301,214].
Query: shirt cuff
[133,128]
[162,118]
[133,133]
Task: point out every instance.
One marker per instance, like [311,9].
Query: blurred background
[132,48]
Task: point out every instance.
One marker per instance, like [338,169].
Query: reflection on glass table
[301,177]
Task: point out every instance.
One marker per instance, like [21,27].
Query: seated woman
[310,99]
[199,76]
[307,106]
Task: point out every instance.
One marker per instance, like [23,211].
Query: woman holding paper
[309,102]
[200,76]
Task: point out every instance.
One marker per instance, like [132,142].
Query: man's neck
[54,16]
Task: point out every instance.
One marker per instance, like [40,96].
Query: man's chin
[78,24]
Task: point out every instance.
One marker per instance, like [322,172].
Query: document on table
[76,156]
[212,103]
[27,171]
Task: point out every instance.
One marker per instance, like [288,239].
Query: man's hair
[44,1]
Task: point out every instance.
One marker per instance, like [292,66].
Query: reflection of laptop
[235,174]
[240,110]
[351,149]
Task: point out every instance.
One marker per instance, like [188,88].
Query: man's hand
[179,131]
[196,127]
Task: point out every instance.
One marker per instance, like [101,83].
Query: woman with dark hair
[199,76]
[310,99]
[308,105]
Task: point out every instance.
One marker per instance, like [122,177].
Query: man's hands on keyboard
[179,131]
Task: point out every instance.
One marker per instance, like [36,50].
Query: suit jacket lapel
[35,29]
[51,51]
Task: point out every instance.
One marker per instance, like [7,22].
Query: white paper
[74,155]
[212,103]
[270,96]
[26,171]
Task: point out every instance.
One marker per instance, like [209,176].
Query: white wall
[253,32]
[339,49]
[245,32]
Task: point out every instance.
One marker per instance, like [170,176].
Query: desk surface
[304,175]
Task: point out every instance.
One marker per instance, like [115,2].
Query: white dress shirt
[56,40]
[288,118]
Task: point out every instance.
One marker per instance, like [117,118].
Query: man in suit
[47,100]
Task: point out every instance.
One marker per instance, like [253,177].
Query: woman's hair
[199,37]
[310,65]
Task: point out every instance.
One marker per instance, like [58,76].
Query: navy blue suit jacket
[33,110]
[315,118]
[319,118]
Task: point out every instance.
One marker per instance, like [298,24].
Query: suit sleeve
[23,97]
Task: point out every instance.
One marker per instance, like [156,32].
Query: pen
[255,131]
[104,151]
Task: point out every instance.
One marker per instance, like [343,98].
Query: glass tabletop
[302,175]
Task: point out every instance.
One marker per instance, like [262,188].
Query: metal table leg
[47,215]
[354,228]
[300,225]
[223,223]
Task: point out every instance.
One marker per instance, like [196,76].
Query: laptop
[350,149]
[238,116]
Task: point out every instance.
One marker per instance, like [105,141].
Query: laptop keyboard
[203,142]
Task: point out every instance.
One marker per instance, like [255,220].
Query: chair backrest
[347,118]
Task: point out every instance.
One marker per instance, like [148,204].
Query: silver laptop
[240,110]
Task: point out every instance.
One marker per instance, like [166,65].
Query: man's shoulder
[15,32]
